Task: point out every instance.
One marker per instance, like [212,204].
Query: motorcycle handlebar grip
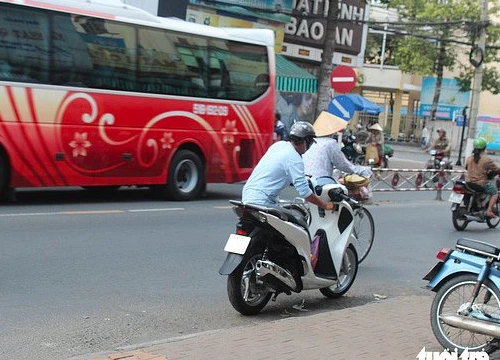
[338,195]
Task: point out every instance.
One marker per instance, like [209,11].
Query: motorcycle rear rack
[479,248]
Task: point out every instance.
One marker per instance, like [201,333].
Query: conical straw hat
[328,124]
[376,126]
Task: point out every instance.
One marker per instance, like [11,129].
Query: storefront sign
[309,23]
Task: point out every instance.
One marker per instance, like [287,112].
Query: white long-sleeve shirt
[325,155]
[280,166]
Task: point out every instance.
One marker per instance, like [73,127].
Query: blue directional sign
[459,120]
[342,106]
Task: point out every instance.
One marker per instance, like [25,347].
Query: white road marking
[94,212]
[147,210]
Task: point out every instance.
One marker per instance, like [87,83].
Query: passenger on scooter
[325,154]
[281,166]
[479,167]
[442,145]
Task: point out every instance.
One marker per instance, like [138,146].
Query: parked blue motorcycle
[465,313]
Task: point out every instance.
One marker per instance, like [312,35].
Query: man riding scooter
[443,147]
[479,168]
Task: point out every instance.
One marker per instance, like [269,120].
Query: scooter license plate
[237,244]
[456,198]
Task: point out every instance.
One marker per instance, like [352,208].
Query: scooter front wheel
[245,295]
[346,275]
[452,298]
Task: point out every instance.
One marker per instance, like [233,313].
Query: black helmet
[301,130]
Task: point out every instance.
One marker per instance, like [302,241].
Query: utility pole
[477,55]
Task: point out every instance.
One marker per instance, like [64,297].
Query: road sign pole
[459,160]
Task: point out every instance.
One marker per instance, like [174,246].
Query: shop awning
[364,105]
[292,78]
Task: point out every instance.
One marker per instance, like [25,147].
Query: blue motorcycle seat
[478,246]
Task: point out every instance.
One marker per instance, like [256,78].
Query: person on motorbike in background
[479,168]
[281,166]
[325,154]
[376,138]
[442,145]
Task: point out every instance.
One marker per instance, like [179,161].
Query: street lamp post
[464,114]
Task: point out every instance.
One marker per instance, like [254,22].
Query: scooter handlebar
[337,195]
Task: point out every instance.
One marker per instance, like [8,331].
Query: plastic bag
[371,153]
[315,251]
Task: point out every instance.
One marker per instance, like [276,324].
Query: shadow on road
[74,195]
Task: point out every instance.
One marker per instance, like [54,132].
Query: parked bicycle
[363,230]
[364,225]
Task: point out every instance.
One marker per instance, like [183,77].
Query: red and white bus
[99,94]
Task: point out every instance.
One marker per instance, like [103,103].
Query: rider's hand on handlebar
[330,206]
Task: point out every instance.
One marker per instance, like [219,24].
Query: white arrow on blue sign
[459,120]
[342,106]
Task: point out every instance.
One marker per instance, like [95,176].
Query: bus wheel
[185,176]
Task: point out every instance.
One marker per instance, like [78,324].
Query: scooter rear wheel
[458,219]
[452,296]
[243,278]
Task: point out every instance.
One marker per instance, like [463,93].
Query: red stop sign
[343,79]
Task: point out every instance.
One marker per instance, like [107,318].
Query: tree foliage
[433,34]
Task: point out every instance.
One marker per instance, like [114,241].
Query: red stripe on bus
[45,157]
[36,180]
[68,9]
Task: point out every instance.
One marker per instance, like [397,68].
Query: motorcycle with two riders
[291,248]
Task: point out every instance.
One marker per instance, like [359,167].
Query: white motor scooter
[271,251]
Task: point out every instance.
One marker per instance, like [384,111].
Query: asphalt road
[81,275]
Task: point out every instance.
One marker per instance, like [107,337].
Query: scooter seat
[278,211]
[478,246]
[474,187]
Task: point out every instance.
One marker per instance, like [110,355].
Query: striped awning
[292,78]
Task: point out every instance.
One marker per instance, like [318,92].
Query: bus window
[241,65]
[71,61]
[24,49]
[165,67]
[112,51]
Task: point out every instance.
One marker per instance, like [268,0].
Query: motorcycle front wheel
[245,295]
[458,218]
[346,275]
[453,297]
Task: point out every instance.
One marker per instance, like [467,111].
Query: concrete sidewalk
[395,328]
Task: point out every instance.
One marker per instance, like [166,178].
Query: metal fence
[385,180]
